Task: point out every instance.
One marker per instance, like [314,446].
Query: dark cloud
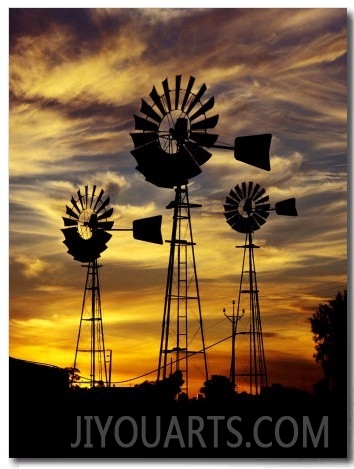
[78,21]
[77,76]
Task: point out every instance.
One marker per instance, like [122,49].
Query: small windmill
[170,147]
[247,208]
[86,232]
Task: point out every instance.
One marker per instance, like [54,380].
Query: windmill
[86,232]
[170,147]
[247,208]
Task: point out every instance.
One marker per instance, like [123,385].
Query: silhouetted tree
[170,387]
[74,376]
[218,388]
[329,328]
[164,390]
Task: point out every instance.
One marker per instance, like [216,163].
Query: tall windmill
[247,208]
[86,236]
[170,148]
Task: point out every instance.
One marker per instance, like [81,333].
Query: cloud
[77,77]
[32,266]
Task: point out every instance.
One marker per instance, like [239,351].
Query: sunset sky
[76,79]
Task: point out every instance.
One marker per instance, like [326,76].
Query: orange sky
[76,79]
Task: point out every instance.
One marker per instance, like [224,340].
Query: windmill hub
[85,224]
[174,130]
[247,207]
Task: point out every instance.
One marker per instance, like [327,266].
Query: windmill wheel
[174,131]
[85,229]
[246,207]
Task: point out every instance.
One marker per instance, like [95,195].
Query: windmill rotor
[247,207]
[85,228]
[170,146]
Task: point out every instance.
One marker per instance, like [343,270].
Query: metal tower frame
[248,288]
[175,336]
[91,313]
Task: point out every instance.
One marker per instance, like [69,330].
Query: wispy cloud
[77,77]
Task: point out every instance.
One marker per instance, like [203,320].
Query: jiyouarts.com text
[94,431]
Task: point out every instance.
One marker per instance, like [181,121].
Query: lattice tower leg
[249,324]
[182,337]
[90,354]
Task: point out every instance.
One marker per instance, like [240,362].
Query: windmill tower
[169,151]
[86,236]
[246,210]
[170,147]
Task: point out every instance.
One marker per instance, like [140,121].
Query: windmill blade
[156,99]
[239,191]
[231,218]
[263,213]
[253,224]
[286,207]
[93,194]
[73,201]
[80,199]
[259,194]
[189,160]
[86,196]
[240,224]
[244,190]
[196,98]
[149,111]
[254,192]
[250,187]
[106,214]
[264,199]
[205,140]
[161,169]
[103,237]
[141,139]
[235,196]
[208,123]
[70,234]
[229,210]
[145,125]
[148,229]
[204,109]
[99,197]
[104,204]
[259,220]
[199,154]
[254,150]
[69,221]
[188,91]
[231,201]
[177,90]
[167,93]
[147,155]
[70,212]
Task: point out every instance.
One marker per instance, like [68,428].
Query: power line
[173,361]
[312,287]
